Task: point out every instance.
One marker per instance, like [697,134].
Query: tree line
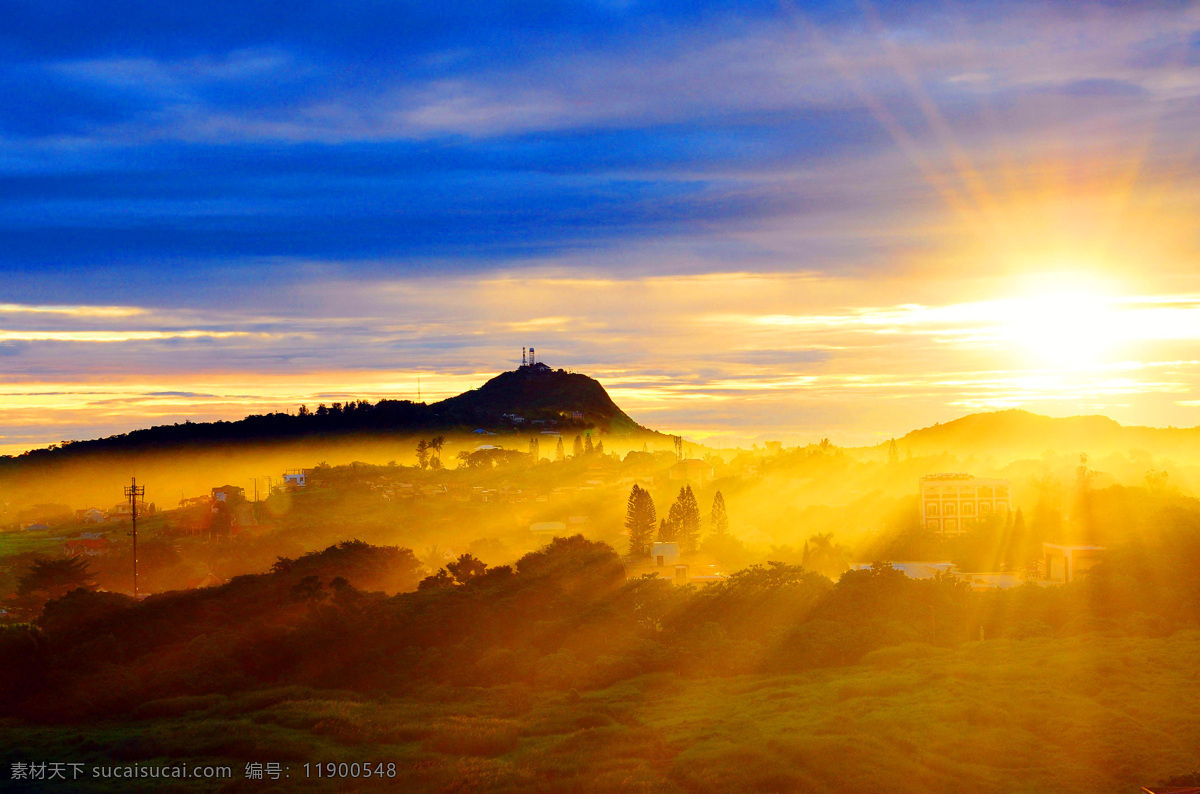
[681,524]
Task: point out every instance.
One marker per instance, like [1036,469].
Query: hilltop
[540,394]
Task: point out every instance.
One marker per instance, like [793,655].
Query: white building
[952,503]
[664,553]
[295,478]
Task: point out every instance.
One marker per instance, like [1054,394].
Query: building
[691,470]
[913,569]
[229,494]
[295,478]
[1066,563]
[952,503]
[664,554]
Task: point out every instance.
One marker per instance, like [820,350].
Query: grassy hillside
[1084,714]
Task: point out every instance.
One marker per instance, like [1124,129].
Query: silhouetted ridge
[1020,433]
[530,397]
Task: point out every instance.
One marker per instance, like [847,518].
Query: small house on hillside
[295,478]
[229,494]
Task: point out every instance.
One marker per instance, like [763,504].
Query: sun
[1066,321]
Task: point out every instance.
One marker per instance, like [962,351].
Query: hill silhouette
[538,393]
[1021,434]
[529,397]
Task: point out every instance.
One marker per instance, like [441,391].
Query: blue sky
[342,193]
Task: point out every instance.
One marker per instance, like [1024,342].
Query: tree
[435,446]
[588,449]
[824,556]
[640,518]
[684,516]
[578,450]
[440,579]
[559,453]
[600,447]
[46,580]
[423,453]
[666,530]
[533,449]
[466,568]
[719,518]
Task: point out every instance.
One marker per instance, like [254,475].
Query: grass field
[1085,714]
[44,542]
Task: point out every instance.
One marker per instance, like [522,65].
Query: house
[664,554]
[229,494]
[1065,563]
[90,515]
[691,470]
[295,478]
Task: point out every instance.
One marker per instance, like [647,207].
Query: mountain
[1021,434]
[538,395]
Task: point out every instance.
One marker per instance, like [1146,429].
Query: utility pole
[134,492]
[255,481]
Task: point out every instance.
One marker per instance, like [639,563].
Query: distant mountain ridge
[1020,433]
[530,397]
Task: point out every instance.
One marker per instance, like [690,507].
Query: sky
[749,221]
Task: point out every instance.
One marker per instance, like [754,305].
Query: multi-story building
[952,503]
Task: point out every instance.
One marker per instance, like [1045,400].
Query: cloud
[823,212]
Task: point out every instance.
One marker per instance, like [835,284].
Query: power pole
[134,492]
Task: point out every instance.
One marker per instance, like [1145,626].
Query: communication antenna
[418,385]
[532,357]
[522,357]
[134,493]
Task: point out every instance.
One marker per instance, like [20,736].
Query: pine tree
[688,521]
[588,449]
[600,447]
[559,453]
[719,518]
[578,450]
[666,529]
[640,518]
[534,450]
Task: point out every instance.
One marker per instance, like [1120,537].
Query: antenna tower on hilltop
[522,357]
